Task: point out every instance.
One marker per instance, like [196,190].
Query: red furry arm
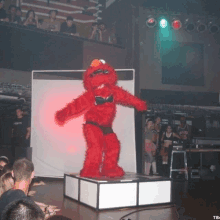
[75,108]
[125,98]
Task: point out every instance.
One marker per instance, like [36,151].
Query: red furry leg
[110,164]
[95,141]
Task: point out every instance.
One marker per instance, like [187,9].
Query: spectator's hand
[41,183]
[36,18]
[76,34]
[31,193]
[94,28]
[29,20]
[49,210]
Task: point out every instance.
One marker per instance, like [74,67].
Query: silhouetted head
[30,14]
[23,169]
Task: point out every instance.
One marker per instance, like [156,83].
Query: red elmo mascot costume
[98,103]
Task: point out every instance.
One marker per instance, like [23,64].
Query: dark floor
[197,199]
[194,199]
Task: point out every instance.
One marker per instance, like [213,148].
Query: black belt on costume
[105,130]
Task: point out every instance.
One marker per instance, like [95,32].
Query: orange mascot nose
[95,63]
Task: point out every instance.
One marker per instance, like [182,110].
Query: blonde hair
[6,182]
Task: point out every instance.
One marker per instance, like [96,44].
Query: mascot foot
[92,173]
[115,172]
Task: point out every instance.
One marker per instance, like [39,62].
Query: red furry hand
[142,106]
[60,116]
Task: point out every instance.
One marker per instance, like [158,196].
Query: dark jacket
[10,198]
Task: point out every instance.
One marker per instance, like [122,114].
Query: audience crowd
[159,144]
[15,200]
[99,31]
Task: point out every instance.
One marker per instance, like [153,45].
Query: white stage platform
[132,190]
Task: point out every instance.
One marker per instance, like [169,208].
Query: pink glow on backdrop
[55,99]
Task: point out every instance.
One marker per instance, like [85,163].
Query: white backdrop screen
[58,150]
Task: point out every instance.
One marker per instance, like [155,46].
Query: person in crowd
[31,19]
[113,38]
[184,130]
[167,147]
[19,14]
[51,24]
[3,14]
[94,32]
[7,168]
[6,182]
[23,173]
[23,209]
[69,27]
[99,32]
[21,130]
[150,148]
[157,130]
[4,161]
[104,33]
[167,142]
[157,139]
[12,15]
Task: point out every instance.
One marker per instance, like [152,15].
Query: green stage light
[163,23]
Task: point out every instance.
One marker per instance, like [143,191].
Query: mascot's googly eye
[105,71]
[102,61]
[96,72]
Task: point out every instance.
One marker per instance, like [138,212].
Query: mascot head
[98,75]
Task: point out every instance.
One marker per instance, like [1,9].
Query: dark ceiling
[203,7]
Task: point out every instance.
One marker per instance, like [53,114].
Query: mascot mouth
[101,86]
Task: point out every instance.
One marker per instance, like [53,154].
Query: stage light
[213,28]
[163,23]
[151,22]
[201,27]
[189,25]
[176,24]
